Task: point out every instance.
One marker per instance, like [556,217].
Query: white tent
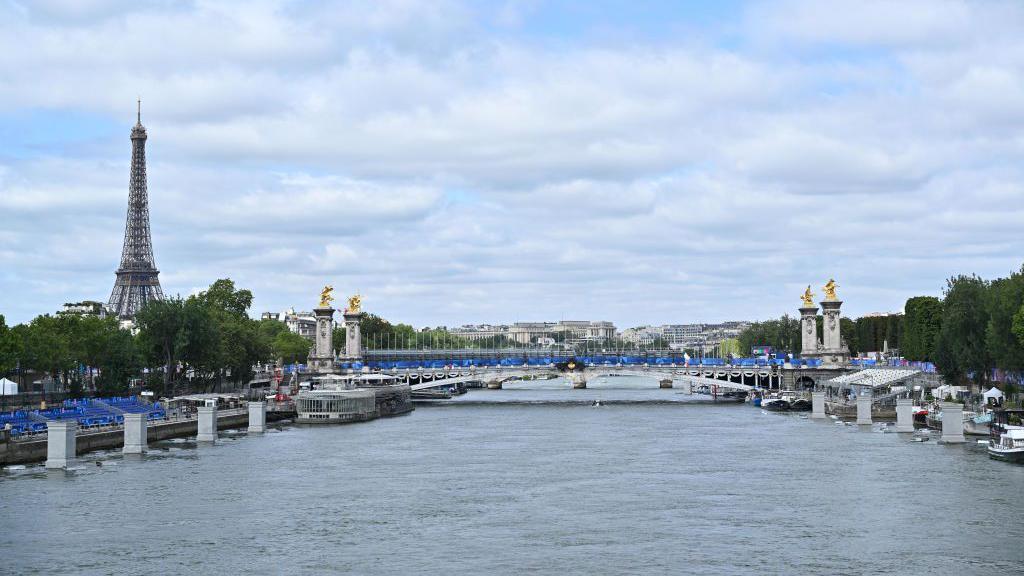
[941,392]
[993,392]
[8,387]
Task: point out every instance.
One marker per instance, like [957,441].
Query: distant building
[529,332]
[301,323]
[584,330]
[85,308]
[682,333]
[642,335]
[479,331]
[703,338]
[568,331]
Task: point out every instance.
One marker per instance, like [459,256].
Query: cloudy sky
[640,162]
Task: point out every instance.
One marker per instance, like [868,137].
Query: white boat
[977,424]
[336,399]
[1009,446]
[335,406]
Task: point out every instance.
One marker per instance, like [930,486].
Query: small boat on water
[735,396]
[978,425]
[775,403]
[1008,447]
[800,405]
[1006,440]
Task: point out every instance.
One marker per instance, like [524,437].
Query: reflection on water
[492,488]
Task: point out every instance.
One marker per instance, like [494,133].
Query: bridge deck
[591,372]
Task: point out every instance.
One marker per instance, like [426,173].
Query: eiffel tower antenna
[137,280]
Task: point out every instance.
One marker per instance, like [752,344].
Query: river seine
[530,479]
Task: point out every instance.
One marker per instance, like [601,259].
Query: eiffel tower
[137,281]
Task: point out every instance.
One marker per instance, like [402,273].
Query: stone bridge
[493,377]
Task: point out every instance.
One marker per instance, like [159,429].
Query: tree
[222,296]
[922,321]
[783,335]
[1018,325]
[731,347]
[290,348]
[161,334]
[1005,298]
[269,329]
[10,347]
[48,348]
[961,350]
[893,331]
[338,334]
[222,341]
[378,333]
[848,333]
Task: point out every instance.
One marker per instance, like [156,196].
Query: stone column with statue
[808,325]
[321,357]
[834,351]
[353,314]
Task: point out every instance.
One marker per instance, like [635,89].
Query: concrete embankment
[30,451]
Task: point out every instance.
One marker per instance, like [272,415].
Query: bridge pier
[61,443]
[136,438]
[257,417]
[952,423]
[864,407]
[207,431]
[666,383]
[817,404]
[904,415]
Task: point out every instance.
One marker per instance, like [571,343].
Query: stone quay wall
[30,451]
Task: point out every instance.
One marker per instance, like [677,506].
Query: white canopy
[8,387]
[993,392]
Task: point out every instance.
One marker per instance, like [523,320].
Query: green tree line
[976,326]
[198,343]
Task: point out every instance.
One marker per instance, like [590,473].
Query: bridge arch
[805,382]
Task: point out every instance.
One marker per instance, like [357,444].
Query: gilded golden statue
[808,297]
[325,296]
[830,289]
[355,304]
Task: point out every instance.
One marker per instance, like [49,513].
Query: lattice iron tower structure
[137,277]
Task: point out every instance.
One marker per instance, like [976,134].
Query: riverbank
[26,451]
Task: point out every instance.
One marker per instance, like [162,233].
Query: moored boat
[978,425]
[1006,439]
[775,403]
[1009,447]
[800,405]
[920,415]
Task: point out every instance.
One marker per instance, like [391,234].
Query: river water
[528,480]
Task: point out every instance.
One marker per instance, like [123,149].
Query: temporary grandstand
[88,412]
[884,384]
[873,378]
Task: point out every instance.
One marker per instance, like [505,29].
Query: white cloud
[453,175]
